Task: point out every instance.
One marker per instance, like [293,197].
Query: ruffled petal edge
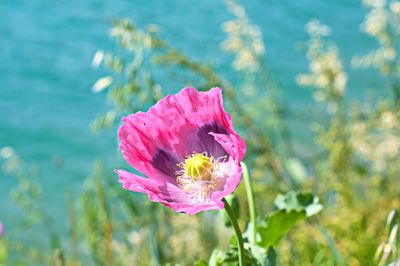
[165,193]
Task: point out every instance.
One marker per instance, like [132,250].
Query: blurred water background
[46,48]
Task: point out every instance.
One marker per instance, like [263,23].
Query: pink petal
[231,182]
[178,125]
[170,125]
[164,192]
[232,144]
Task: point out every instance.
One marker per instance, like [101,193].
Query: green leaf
[262,256]
[201,263]
[230,258]
[217,257]
[278,225]
[299,202]
[292,208]
[270,259]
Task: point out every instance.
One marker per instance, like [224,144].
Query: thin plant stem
[250,200]
[238,233]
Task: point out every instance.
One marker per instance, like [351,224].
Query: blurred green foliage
[354,167]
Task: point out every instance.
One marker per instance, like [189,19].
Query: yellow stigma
[198,167]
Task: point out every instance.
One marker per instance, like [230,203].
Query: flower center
[198,166]
[201,175]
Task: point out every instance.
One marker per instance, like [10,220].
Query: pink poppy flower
[1,229]
[188,149]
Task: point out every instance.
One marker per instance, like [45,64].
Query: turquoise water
[46,49]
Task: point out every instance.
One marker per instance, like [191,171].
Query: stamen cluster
[198,173]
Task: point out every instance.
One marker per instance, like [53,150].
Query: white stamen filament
[200,174]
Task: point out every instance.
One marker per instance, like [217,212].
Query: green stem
[250,200]
[238,233]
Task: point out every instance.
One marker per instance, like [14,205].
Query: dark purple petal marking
[208,143]
[165,162]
